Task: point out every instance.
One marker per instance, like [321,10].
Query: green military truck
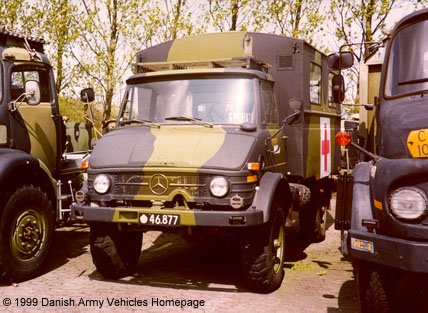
[218,134]
[382,207]
[36,179]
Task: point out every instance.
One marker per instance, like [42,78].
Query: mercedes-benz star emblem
[158,184]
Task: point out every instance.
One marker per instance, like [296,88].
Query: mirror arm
[373,156]
[13,106]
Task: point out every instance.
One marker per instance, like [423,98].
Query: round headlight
[102,183]
[408,203]
[219,186]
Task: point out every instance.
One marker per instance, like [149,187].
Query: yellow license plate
[362,245]
[417,143]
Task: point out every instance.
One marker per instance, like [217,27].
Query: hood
[404,128]
[192,146]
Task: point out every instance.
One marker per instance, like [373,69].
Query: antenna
[31,51]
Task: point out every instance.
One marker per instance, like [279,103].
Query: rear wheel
[263,254]
[27,230]
[114,253]
[313,217]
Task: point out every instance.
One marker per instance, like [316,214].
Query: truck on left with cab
[36,178]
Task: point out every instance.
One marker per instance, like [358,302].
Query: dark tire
[263,254]
[313,219]
[114,253]
[373,292]
[27,229]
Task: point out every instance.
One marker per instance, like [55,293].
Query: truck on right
[382,204]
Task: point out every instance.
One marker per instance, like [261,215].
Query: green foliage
[299,19]
[93,42]
[225,15]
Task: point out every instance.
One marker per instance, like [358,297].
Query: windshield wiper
[414,81]
[189,119]
[137,121]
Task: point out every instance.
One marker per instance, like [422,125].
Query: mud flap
[345,185]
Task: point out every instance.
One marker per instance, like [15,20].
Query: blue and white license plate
[362,245]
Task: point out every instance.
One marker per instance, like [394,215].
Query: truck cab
[382,208]
[32,163]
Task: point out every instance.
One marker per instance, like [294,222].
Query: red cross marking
[325,144]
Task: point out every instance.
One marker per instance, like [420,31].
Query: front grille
[158,184]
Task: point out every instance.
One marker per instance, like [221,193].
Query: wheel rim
[321,219]
[278,247]
[28,235]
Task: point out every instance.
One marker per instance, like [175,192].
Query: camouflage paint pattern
[168,169]
[290,61]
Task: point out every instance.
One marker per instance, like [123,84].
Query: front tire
[373,289]
[114,253]
[263,254]
[27,230]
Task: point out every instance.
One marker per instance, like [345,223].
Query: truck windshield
[218,101]
[407,71]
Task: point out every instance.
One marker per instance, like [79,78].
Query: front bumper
[188,217]
[402,254]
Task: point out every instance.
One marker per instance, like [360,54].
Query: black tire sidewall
[114,253]
[257,255]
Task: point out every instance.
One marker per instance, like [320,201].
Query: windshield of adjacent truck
[219,101]
[407,71]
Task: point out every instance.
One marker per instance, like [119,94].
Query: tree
[170,20]
[229,15]
[55,21]
[299,19]
[11,12]
[358,22]
[109,32]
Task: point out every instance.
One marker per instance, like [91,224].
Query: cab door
[276,161]
[33,128]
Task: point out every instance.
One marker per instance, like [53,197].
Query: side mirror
[296,105]
[338,88]
[32,92]
[87,95]
[368,107]
[340,60]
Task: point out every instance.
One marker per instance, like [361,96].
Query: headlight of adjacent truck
[408,203]
[102,183]
[219,186]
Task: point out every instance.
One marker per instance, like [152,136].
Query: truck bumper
[402,254]
[186,217]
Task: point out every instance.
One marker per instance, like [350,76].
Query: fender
[17,167]
[361,203]
[270,185]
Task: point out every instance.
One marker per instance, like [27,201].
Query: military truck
[218,134]
[36,179]
[382,207]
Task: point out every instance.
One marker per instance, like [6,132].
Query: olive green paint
[42,132]
[210,46]
[168,146]
[3,134]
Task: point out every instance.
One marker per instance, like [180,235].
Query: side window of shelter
[268,104]
[315,84]
[21,75]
